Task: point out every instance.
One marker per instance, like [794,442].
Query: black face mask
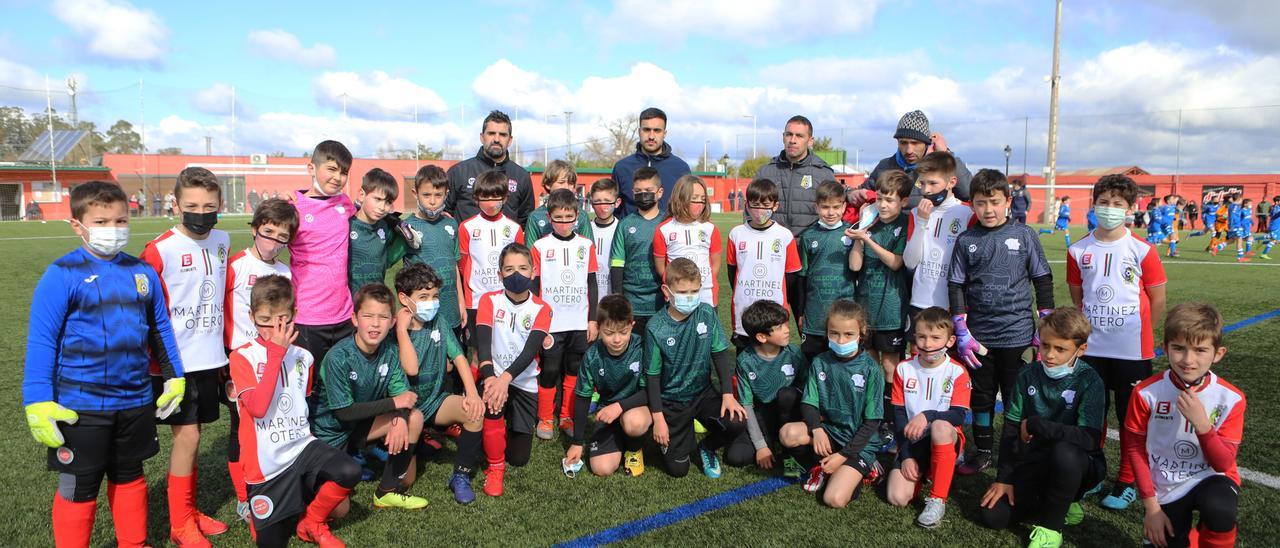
[516,282]
[646,200]
[199,223]
[937,199]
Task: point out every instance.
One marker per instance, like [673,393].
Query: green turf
[542,506]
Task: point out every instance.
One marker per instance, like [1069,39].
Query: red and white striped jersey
[763,259]
[512,323]
[928,252]
[1173,450]
[1114,278]
[696,241]
[480,244]
[563,267]
[920,388]
[270,444]
[243,270]
[193,275]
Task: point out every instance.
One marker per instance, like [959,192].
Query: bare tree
[618,142]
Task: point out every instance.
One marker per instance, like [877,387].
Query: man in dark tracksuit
[914,139]
[495,137]
[652,151]
[797,171]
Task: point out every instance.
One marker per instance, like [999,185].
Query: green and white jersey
[824,263]
[439,250]
[633,251]
[1078,399]
[760,379]
[615,378]
[680,351]
[373,248]
[847,393]
[882,291]
[349,376]
[436,347]
[539,225]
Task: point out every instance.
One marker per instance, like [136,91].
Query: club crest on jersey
[897,231]
[973,248]
[1218,410]
[341,210]
[1069,396]
[634,367]
[582,253]
[788,370]
[751,375]
[777,244]
[261,506]
[702,236]
[631,230]
[955,226]
[671,341]
[298,366]
[186,259]
[702,328]
[947,385]
[511,185]
[813,244]
[822,376]
[383,369]
[806,182]
[1013,244]
[858,380]
[435,335]
[382,234]
[141,284]
[527,321]
[309,218]
[353,376]
[222,253]
[1031,390]
[506,232]
[1129,275]
[542,223]
[449,229]
[354,235]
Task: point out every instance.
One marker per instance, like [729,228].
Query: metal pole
[142,134]
[704,154]
[416,143]
[1177,166]
[753,136]
[1054,80]
[568,130]
[53,162]
[1026,128]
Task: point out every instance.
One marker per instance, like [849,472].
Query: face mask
[426,310]
[316,185]
[490,207]
[933,356]
[831,226]
[1060,371]
[107,240]
[563,228]
[760,215]
[843,349]
[199,223]
[1110,217]
[685,304]
[646,200]
[516,282]
[695,209]
[937,199]
[431,214]
[273,246]
[603,211]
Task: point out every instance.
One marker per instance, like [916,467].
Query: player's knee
[124,472]
[79,487]
[793,435]
[739,455]
[473,425]
[900,496]
[635,424]
[1221,498]
[605,466]
[677,467]
[519,447]
[941,432]
[346,472]
[186,435]
[415,424]
[1067,458]
[836,498]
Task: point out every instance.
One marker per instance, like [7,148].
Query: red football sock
[181,493]
[546,403]
[129,511]
[495,440]
[236,471]
[328,498]
[566,400]
[943,468]
[1214,539]
[72,521]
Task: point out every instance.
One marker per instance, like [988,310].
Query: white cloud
[282,46]
[754,21]
[376,94]
[115,31]
[217,100]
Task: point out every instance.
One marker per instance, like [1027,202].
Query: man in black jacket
[914,142]
[495,137]
[797,171]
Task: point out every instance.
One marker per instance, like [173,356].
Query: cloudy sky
[979,71]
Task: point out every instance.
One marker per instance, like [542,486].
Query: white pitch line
[1197,263]
[23,238]
[1245,473]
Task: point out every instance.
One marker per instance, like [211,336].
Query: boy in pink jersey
[191,259]
[1185,427]
[318,252]
[481,239]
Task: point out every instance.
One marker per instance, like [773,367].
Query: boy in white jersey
[763,260]
[564,276]
[930,399]
[1185,427]
[274,223]
[191,259]
[689,233]
[270,379]
[481,239]
[604,201]
[932,231]
[1117,280]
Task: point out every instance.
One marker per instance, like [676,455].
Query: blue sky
[976,68]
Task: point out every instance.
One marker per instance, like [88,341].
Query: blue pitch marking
[747,492]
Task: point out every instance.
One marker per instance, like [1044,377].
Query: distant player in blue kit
[1064,220]
[98,317]
[1243,233]
[1273,228]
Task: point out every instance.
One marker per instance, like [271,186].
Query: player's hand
[404,317]
[764,458]
[1035,334]
[968,347]
[661,434]
[1023,434]
[171,398]
[938,144]
[996,492]
[43,418]
[856,197]
[1157,528]
[609,413]
[1191,408]
[910,470]
[731,409]
[574,454]
[411,235]
[857,235]
[593,330]
[821,443]
[916,427]
[405,400]
[832,463]
[923,209]
[473,407]
[397,438]
[284,333]
[495,392]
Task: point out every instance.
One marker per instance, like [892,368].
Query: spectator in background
[155,204]
[1263,206]
[797,171]
[169,201]
[652,151]
[732,193]
[914,142]
[1193,213]
[1021,201]
[254,199]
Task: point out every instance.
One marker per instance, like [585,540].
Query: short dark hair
[197,177]
[935,317]
[492,183]
[332,150]
[378,179]
[894,182]
[277,212]
[614,309]
[987,182]
[798,119]
[940,162]
[430,174]
[270,291]
[562,198]
[514,248]
[1069,323]
[604,185]
[499,117]
[653,112]
[1118,183]
[646,173]
[829,190]
[762,191]
[683,270]
[373,291]
[416,277]
[762,317]
[100,193]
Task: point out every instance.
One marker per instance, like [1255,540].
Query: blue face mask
[685,304]
[843,349]
[426,310]
[1060,371]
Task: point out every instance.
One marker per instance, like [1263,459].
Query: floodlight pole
[53,161]
[1054,81]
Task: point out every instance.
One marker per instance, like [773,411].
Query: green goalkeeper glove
[171,398]
[43,418]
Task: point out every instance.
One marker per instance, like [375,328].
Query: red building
[31,191]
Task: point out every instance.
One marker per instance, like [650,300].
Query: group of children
[496,334]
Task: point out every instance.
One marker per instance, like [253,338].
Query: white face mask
[316,185]
[1060,371]
[107,240]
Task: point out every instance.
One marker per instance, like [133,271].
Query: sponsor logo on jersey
[354,235]
[65,455]
[1031,390]
[500,314]
[141,284]
[1163,407]
[671,341]
[261,506]
[1185,449]
[353,376]
[186,259]
[475,234]
[90,279]
[911,384]
[286,403]
[1086,259]
[742,246]
[253,279]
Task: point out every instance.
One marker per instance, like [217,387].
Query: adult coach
[914,141]
[495,137]
[652,151]
[797,171]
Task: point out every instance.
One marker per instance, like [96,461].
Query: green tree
[750,167]
[170,151]
[424,153]
[122,139]
[822,143]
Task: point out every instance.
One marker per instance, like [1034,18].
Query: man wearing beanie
[914,140]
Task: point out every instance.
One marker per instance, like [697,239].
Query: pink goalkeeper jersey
[318,259]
